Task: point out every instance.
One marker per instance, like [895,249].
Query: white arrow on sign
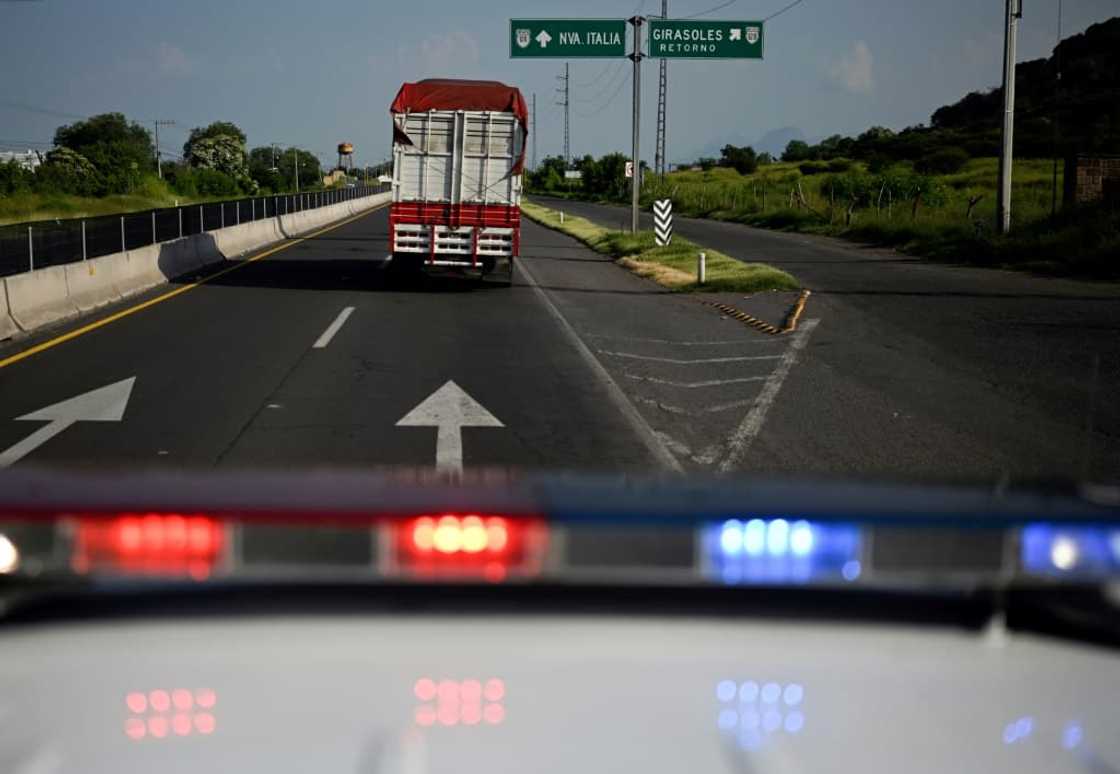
[105,404]
[449,409]
[544,38]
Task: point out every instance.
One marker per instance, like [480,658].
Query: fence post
[201,221]
[239,212]
[30,250]
[180,222]
[153,227]
[701,268]
[84,240]
[222,220]
[122,233]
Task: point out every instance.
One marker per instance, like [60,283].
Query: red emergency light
[472,544]
[149,543]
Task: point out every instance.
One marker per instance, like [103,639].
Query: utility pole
[636,180]
[1057,108]
[1014,12]
[533,131]
[158,123]
[565,104]
[659,162]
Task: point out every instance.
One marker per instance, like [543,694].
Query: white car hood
[573,694]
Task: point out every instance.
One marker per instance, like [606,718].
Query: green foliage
[743,160]
[220,147]
[705,163]
[15,179]
[605,177]
[796,150]
[69,171]
[216,129]
[120,152]
[945,161]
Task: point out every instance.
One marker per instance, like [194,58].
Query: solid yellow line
[166,296]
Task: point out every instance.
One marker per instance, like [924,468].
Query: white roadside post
[701,268]
[561,216]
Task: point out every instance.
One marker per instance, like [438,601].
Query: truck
[458,155]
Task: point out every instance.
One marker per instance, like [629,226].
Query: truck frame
[458,153]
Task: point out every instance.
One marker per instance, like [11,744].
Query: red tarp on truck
[454,94]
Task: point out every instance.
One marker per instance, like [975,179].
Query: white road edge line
[692,385]
[333,328]
[740,441]
[719,342]
[678,361]
[648,437]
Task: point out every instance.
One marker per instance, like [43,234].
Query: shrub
[944,161]
[814,167]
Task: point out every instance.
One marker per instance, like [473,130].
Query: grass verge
[673,266]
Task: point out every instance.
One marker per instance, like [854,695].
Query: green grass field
[1084,242]
[673,266]
[153,193]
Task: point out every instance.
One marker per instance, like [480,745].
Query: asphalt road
[899,369]
[921,369]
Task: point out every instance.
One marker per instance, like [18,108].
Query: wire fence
[42,243]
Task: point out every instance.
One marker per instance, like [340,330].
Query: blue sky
[316,73]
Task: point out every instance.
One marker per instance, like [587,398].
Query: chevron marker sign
[663,221]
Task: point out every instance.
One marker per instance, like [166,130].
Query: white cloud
[172,60]
[852,71]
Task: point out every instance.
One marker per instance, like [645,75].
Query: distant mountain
[773,142]
[776,140]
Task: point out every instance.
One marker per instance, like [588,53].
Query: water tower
[346,156]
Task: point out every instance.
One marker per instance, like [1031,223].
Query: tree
[216,129]
[120,151]
[221,147]
[796,150]
[743,160]
[264,168]
[706,162]
[944,161]
[68,171]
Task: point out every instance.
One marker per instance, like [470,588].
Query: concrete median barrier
[136,270]
[8,327]
[90,284]
[39,297]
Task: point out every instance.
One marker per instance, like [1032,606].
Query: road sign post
[635,181]
[567,38]
[704,39]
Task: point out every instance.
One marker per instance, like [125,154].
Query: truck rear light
[470,544]
[151,544]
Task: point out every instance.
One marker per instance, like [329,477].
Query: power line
[607,85]
[610,99]
[784,9]
[726,3]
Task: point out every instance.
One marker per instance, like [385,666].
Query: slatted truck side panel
[458,153]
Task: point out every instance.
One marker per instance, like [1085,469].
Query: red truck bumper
[475,238]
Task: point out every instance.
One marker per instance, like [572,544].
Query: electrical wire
[725,4]
[606,104]
[637,9]
[608,84]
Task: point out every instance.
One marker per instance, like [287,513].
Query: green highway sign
[567,38]
[700,39]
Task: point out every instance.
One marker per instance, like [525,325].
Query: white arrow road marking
[449,409]
[105,404]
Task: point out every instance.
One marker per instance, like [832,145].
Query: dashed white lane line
[693,385]
[679,361]
[749,428]
[333,328]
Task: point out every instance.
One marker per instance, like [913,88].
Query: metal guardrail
[38,244]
